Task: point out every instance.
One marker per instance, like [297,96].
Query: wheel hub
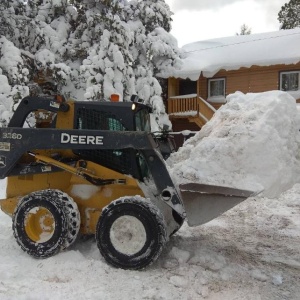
[128,235]
[39,224]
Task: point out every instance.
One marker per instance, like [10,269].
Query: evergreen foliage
[245,30]
[288,15]
[86,49]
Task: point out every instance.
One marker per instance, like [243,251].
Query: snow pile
[252,142]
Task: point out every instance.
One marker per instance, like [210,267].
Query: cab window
[142,121]
[98,120]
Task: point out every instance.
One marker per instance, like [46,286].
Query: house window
[216,90]
[289,81]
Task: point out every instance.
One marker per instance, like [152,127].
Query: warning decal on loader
[4,146]
[2,161]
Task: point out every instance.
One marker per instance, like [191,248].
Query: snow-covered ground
[251,252]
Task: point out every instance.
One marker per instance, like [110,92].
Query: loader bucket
[203,202]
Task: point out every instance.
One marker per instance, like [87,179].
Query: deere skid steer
[95,168]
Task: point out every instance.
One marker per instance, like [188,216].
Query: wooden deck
[191,107]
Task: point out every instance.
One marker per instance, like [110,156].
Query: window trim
[220,98]
[288,72]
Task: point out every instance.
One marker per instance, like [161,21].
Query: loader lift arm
[79,171]
[29,104]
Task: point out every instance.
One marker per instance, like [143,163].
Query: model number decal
[14,136]
[81,139]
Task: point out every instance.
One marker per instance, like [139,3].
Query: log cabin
[215,68]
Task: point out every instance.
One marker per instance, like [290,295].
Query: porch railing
[190,105]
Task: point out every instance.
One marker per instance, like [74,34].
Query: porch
[191,107]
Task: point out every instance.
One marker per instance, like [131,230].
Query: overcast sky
[196,20]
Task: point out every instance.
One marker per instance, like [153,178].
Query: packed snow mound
[252,142]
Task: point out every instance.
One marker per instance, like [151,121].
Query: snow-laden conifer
[88,49]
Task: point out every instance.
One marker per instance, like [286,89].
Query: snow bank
[252,142]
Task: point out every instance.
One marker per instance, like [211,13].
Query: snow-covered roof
[232,53]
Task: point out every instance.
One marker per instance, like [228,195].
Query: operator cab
[114,116]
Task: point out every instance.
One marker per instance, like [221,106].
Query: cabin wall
[202,87]
[248,80]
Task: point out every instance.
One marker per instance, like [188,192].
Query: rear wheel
[46,222]
[131,233]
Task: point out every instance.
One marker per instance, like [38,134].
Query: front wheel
[131,233]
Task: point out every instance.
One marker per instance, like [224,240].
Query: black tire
[45,222]
[73,216]
[136,246]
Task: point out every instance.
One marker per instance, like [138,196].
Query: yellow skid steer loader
[95,168]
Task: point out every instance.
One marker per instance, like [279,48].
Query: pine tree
[245,30]
[155,51]
[14,64]
[48,39]
[152,13]
[14,78]
[107,69]
[13,20]
[86,49]
[288,15]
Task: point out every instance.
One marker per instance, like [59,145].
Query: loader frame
[15,142]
